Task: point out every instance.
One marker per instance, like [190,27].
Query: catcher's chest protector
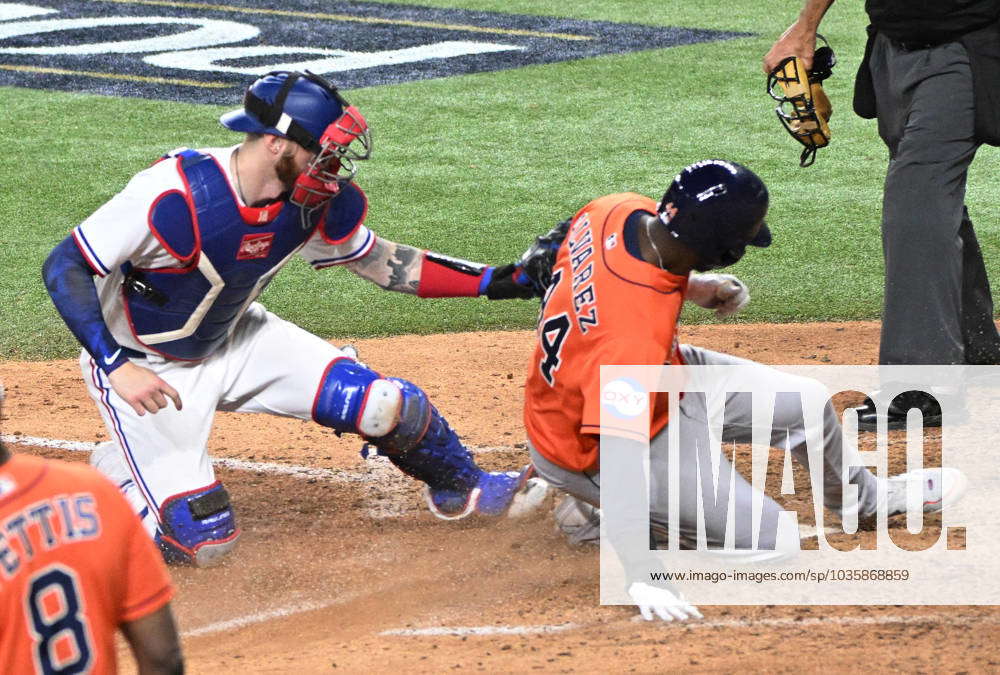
[187,313]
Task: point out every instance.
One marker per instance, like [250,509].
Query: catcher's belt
[803,107]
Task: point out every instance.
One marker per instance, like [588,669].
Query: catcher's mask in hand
[803,107]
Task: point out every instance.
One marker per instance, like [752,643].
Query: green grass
[475,166]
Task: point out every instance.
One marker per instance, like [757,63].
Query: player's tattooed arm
[394,267]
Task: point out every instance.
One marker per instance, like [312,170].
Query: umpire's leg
[936,293]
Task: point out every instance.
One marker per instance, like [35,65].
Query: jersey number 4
[58,625]
[552,334]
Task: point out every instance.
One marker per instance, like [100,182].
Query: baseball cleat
[940,488]
[530,498]
[895,414]
[496,493]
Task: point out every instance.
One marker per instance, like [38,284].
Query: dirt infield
[341,568]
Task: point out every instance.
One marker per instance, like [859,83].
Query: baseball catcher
[803,107]
[160,286]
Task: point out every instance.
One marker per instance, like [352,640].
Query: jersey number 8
[58,625]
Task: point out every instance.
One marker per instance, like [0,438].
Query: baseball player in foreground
[160,284]
[75,566]
[618,284]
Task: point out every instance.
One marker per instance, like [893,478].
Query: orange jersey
[604,307]
[75,563]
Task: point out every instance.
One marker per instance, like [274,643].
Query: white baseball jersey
[124,235]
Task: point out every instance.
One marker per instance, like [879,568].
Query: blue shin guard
[396,417]
[456,486]
[436,456]
[198,527]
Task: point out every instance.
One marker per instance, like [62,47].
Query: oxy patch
[207,52]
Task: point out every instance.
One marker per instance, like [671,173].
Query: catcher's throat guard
[803,107]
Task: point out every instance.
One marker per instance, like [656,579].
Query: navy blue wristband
[112,362]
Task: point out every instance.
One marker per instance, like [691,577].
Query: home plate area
[341,567]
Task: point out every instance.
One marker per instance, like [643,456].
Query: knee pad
[391,413]
[198,527]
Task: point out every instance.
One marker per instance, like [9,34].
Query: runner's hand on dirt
[142,389]
[662,602]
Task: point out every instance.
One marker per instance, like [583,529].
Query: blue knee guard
[198,527]
[354,399]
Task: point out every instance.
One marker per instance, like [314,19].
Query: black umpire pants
[938,308]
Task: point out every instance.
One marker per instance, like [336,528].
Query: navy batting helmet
[714,207]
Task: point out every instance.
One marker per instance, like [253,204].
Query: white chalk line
[238,464]
[465,631]
[294,470]
[35,442]
[480,630]
[249,619]
[787,622]
[378,470]
[806,531]
[261,617]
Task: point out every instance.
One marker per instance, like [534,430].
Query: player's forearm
[398,267]
[811,15]
[394,267]
[70,284]
[155,643]
[800,38]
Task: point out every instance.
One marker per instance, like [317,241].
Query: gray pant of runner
[938,308]
[788,432]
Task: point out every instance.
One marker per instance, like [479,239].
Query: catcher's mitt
[803,107]
[530,276]
[536,263]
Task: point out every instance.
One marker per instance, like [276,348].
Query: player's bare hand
[796,41]
[661,602]
[142,389]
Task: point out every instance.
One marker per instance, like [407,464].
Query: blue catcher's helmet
[299,106]
[713,207]
[310,111]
